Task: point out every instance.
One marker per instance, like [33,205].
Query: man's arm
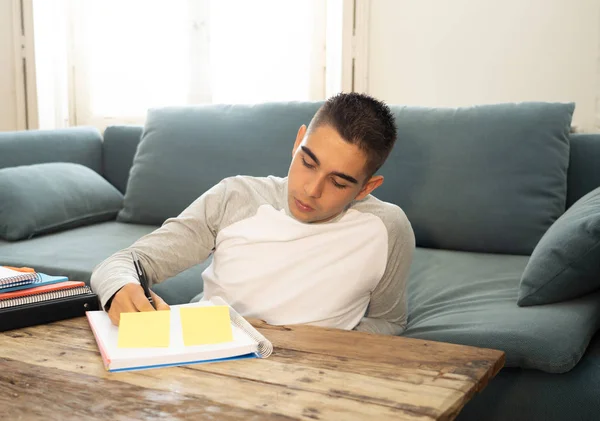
[386,313]
[178,244]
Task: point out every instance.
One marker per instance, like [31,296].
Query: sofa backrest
[80,145]
[120,144]
[118,149]
[584,166]
[222,141]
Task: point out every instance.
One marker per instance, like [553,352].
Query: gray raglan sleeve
[387,311]
[178,244]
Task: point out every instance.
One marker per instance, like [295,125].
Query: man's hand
[131,298]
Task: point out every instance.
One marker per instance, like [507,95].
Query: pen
[142,277]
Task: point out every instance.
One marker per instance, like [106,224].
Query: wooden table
[54,372]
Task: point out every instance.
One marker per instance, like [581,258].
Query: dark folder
[45,308]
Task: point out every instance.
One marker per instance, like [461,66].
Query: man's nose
[314,187]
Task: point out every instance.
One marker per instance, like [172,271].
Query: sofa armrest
[79,145]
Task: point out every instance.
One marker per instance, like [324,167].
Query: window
[131,55]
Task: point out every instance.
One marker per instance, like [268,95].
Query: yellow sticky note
[146,329]
[205,325]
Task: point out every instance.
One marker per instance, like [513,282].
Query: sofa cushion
[471,299]
[42,198]
[488,178]
[75,253]
[566,262]
[184,151]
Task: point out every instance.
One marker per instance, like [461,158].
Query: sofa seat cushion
[76,252]
[471,299]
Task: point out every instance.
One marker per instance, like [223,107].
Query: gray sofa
[478,189]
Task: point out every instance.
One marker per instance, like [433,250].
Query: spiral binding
[17,280]
[44,296]
[264,346]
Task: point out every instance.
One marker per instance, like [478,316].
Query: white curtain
[126,56]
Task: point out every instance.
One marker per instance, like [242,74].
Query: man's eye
[306,164]
[338,185]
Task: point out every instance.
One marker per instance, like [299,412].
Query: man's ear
[372,184]
[299,138]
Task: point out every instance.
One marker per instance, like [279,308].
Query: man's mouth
[302,206]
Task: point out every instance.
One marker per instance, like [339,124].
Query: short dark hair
[360,120]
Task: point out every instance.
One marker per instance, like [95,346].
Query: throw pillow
[42,198]
[566,262]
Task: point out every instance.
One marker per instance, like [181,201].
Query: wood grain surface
[55,372]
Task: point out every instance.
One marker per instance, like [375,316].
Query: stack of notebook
[29,298]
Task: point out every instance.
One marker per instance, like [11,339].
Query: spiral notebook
[12,278]
[247,343]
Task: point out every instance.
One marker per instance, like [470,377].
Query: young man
[313,248]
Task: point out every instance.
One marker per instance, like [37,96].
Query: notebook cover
[47,311]
[146,367]
[41,289]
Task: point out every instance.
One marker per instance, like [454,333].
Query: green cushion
[42,198]
[489,178]
[471,299]
[566,262]
[184,151]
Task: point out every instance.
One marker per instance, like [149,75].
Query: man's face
[326,175]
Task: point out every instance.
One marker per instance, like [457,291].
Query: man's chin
[309,219]
[306,217]
[299,216]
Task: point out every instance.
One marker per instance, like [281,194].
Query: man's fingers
[118,307]
[140,301]
[130,299]
[115,317]
[159,302]
[121,304]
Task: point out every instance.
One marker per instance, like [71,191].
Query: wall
[462,52]
[9,117]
